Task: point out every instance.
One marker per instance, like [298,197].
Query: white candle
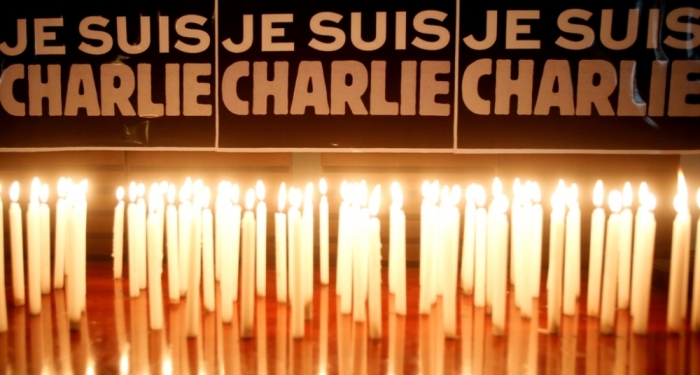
[308,248]
[45,243]
[34,249]
[184,233]
[60,236]
[281,245]
[360,259]
[3,297]
[638,247]
[537,217]
[117,234]
[525,272]
[236,237]
[295,257]
[451,264]
[468,244]
[500,260]
[556,259]
[80,227]
[343,243]
[72,287]
[426,246]
[612,243]
[173,252]
[219,235]
[17,247]
[572,251]
[680,252]
[480,247]
[248,267]
[323,231]
[346,247]
[595,264]
[441,226]
[227,256]
[695,315]
[625,248]
[134,289]
[374,267]
[194,265]
[399,241]
[642,293]
[207,251]
[141,236]
[492,244]
[515,240]
[260,240]
[155,298]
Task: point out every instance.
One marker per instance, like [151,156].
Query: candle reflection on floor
[114,338]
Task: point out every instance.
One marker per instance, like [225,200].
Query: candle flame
[249,199]
[282,197]
[648,201]
[680,202]
[643,190]
[344,191]
[197,187]
[322,186]
[572,196]
[536,193]
[627,195]
[362,195]
[260,190]
[141,190]
[185,193]
[615,201]
[222,187]
[396,195]
[517,186]
[425,189]
[445,195]
[500,204]
[456,194]
[497,187]
[295,197]
[479,195]
[120,193]
[14,191]
[35,189]
[235,194]
[558,199]
[434,192]
[163,188]
[132,191]
[374,200]
[171,193]
[205,197]
[598,194]
[44,193]
[61,188]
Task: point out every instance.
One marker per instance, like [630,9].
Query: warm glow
[14,191]
[141,190]
[697,197]
[396,195]
[362,193]
[497,187]
[479,195]
[132,191]
[171,193]
[643,190]
[309,193]
[222,187]
[83,187]
[260,190]
[44,193]
[536,193]
[235,194]
[456,194]
[163,189]
[120,193]
[205,197]
[469,193]
[500,204]
[517,188]
[445,195]
[282,198]
[374,200]
[680,202]
[558,199]
[185,193]
[124,364]
[572,196]
[648,201]
[197,187]
[425,189]
[61,188]
[344,191]
[295,197]
[35,189]
[615,201]
[249,199]
[167,367]
[598,194]
[153,194]
[322,186]
[627,195]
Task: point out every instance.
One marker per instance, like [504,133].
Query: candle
[155,299]
[131,241]
[440,228]
[323,230]
[360,253]
[194,263]
[500,260]
[227,256]
[695,317]
[172,243]
[80,237]
[680,253]
[346,243]
[281,245]
[248,267]
[236,237]
[3,297]
[343,243]
[141,236]
[451,264]
[374,267]
[308,248]
[645,255]
[45,235]
[435,236]
[295,257]
[60,235]
[261,240]
[467,274]
[221,199]
[515,239]
[117,234]
[72,287]
[480,247]
[556,259]
[537,217]
[426,245]
[207,251]
[612,243]
[492,244]
[572,251]
[184,232]
[595,265]
[17,248]
[625,248]
[525,271]
[638,246]
[34,249]
[398,238]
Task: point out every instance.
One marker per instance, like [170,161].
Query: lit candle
[480,247]
[515,239]
[492,243]
[155,298]
[248,267]
[323,230]
[141,236]
[398,240]
[525,262]
[537,217]
[72,287]
[595,265]
[3,297]
[117,234]
[194,263]
[467,275]
[34,249]
[207,251]
[346,240]
[625,248]
[374,267]
[436,237]
[45,235]
[281,245]
[60,235]
[645,253]
[360,255]
[612,243]
[236,237]
[173,252]
[261,240]
[134,289]
[638,246]
[16,246]
[500,263]
[451,263]
[440,229]
[221,199]
[184,233]
[680,254]
[80,237]
[556,259]
[341,279]
[572,251]
[295,257]
[308,248]
[227,255]
[695,315]
[426,249]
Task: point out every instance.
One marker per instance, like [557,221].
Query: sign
[493,76]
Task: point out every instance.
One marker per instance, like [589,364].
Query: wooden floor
[114,337]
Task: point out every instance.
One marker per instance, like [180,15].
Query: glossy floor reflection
[114,338]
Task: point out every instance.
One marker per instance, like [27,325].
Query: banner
[493,76]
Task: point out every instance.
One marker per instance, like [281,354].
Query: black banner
[440,75]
